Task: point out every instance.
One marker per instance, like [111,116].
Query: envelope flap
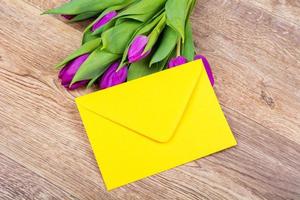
[151,106]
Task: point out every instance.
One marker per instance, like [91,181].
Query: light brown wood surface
[254,48]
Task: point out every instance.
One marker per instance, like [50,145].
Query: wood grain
[17,182]
[254,47]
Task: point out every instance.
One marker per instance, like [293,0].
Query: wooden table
[254,48]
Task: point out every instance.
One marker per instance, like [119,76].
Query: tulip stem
[178,52]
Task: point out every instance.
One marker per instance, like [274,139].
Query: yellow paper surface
[154,123]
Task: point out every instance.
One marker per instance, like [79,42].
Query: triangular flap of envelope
[151,106]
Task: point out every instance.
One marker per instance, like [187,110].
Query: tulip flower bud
[104,20]
[180,60]
[112,77]
[68,17]
[67,73]
[77,85]
[207,68]
[136,49]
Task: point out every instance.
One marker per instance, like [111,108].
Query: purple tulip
[136,49]
[68,17]
[207,68]
[67,73]
[180,60]
[77,85]
[112,77]
[104,20]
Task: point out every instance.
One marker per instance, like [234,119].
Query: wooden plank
[41,129]
[255,57]
[289,10]
[17,182]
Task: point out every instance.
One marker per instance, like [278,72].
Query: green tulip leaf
[95,65]
[76,7]
[177,12]
[147,27]
[88,36]
[116,39]
[160,65]
[142,10]
[140,18]
[188,49]
[86,48]
[166,46]
[124,57]
[83,16]
[163,64]
[91,82]
[140,69]
[192,6]
[154,35]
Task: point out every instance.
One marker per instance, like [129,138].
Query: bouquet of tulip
[128,39]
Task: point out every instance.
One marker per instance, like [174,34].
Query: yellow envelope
[154,123]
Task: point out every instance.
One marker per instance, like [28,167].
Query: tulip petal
[68,17]
[180,60]
[104,20]
[136,49]
[207,68]
[84,16]
[69,71]
[62,72]
[77,85]
[136,58]
[84,49]
[113,77]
